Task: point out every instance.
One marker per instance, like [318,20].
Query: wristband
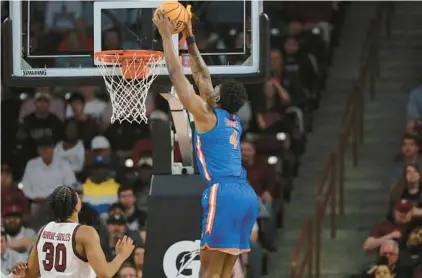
[190,40]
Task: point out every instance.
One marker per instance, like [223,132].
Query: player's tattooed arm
[184,90]
[200,72]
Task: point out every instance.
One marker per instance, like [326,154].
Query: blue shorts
[230,210]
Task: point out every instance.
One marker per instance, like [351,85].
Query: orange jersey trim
[233,251]
[201,158]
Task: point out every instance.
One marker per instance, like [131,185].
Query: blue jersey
[218,152]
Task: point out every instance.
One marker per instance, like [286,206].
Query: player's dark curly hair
[62,203]
[232,95]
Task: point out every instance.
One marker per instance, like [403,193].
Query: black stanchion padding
[161,136]
[174,227]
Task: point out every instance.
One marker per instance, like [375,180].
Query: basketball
[176,13]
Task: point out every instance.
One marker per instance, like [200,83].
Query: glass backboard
[53,42]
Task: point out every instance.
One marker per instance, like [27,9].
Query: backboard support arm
[181,120]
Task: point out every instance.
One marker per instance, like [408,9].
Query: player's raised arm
[91,243]
[199,69]
[191,101]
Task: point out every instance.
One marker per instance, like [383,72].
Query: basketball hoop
[128,75]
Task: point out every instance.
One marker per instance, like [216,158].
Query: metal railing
[306,258]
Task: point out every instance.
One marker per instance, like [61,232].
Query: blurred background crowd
[397,239]
[56,136]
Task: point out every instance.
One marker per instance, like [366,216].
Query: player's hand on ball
[19,269]
[164,26]
[125,246]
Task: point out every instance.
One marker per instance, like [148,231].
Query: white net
[128,80]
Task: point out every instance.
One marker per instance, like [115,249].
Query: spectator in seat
[61,16]
[10,193]
[9,257]
[409,187]
[101,151]
[84,42]
[88,127]
[309,40]
[41,123]
[277,65]
[409,155]
[270,113]
[295,28]
[112,39]
[19,237]
[123,136]
[71,149]
[414,111]
[135,218]
[116,229]
[298,71]
[127,271]
[56,105]
[116,208]
[93,107]
[391,263]
[389,249]
[87,215]
[42,176]
[100,188]
[72,43]
[138,260]
[391,228]
[143,182]
[261,177]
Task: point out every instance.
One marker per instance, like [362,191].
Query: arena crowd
[62,135]
[396,240]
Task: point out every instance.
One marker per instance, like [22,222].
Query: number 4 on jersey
[233,139]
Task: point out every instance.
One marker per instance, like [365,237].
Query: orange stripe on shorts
[212,206]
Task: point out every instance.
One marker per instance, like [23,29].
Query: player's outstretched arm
[90,240]
[200,72]
[191,101]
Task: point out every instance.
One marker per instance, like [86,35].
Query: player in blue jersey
[230,205]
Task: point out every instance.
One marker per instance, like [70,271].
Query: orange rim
[134,63]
